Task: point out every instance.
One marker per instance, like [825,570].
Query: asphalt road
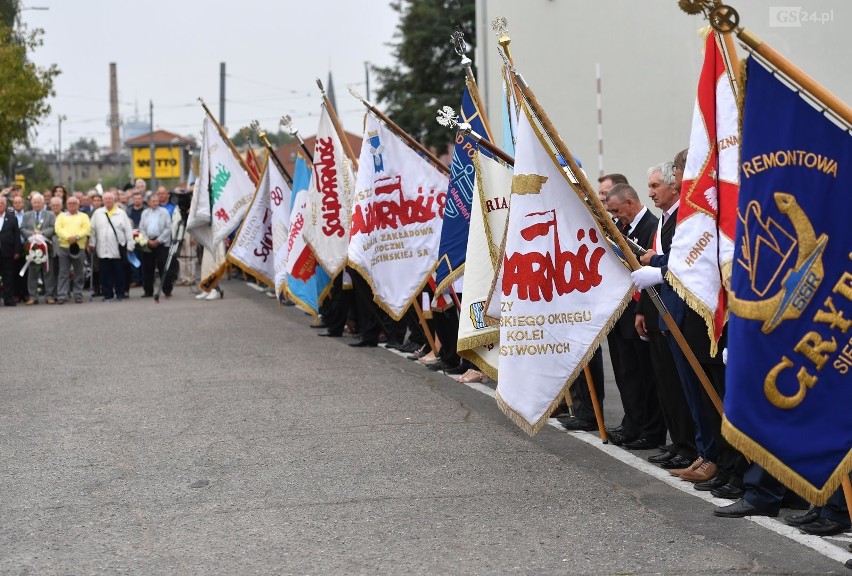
[196,437]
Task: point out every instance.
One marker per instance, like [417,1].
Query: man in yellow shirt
[73,230]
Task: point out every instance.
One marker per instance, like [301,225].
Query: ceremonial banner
[789,375]
[199,218]
[231,189]
[489,213]
[253,165]
[453,245]
[307,283]
[396,220]
[252,249]
[703,245]
[562,289]
[281,200]
[329,199]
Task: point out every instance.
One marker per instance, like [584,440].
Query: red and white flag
[702,249]
[562,286]
[397,216]
[329,199]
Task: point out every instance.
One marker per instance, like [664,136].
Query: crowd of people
[54,244]
[666,410]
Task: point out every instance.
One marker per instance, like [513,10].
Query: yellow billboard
[167,162]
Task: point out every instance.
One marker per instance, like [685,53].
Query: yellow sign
[167,162]
[21,181]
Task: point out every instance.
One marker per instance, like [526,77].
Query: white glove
[725,356]
[647,276]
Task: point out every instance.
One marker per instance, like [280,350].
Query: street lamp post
[59,152]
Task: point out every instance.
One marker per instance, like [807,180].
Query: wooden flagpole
[429,338]
[417,146]
[287,122]
[595,403]
[588,196]
[225,137]
[335,121]
[271,152]
[460,46]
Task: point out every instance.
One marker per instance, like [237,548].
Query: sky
[169,52]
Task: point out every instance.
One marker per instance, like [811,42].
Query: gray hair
[622,192]
[36,196]
[666,170]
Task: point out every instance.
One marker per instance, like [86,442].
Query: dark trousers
[371,319]
[8,270]
[335,309]
[670,395]
[580,396]
[447,328]
[153,263]
[20,282]
[634,377]
[112,278]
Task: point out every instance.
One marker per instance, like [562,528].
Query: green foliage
[87,144]
[9,11]
[24,89]
[427,74]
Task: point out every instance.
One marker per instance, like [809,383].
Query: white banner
[562,286]
[300,260]
[252,249]
[198,220]
[397,216]
[231,189]
[489,213]
[280,198]
[329,199]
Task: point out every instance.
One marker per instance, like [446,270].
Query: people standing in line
[135,276]
[72,230]
[55,205]
[39,220]
[112,233]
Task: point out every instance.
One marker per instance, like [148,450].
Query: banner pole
[429,338]
[262,135]
[338,127]
[847,493]
[224,136]
[595,403]
[584,191]
[417,146]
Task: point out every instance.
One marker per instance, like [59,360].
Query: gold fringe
[480,362]
[532,429]
[210,282]
[698,306]
[787,476]
[703,33]
[455,274]
[333,274]
[477,340]
[413,301]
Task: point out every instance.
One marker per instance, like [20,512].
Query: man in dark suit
[10,251]
[643,426]
[682,452]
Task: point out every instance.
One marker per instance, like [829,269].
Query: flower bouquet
[141,240]
[36,248]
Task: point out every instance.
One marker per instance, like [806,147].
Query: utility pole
[153,160]
[59,152]
[222,94]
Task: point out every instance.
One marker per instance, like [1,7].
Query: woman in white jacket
[110,228]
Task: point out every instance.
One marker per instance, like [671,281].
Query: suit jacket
[643,234]
[670,298]
[48,221]
[10,236]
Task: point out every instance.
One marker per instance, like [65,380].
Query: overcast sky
[169,52]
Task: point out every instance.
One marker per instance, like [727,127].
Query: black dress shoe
[675,463]
[661,457]
[393,345]
[811,515]
[409,347]
[793,501]
[741,509]
[729,491]
[320,325]
[824,527]
[331,334]
[363,344]
[717,482]
[574,423]
[641,444]
[618,437]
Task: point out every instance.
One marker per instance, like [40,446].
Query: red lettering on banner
[537,275]
[266,242]
[221,214]
[382,214]
[325,173]
[277,196]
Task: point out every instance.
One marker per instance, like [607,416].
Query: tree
[85,145]
[276,139]
[24,87]
[427,74]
